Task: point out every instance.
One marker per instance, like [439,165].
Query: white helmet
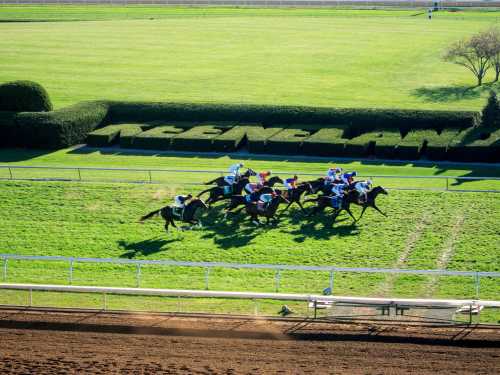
[369,182]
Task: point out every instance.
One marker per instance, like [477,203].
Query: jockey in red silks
[262,176]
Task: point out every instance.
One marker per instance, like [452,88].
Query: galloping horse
[239,200]
[218,193]
[268,212]
[220,181]
[370,201]
[273,181]
[186,216]
[324,201]
[295,194]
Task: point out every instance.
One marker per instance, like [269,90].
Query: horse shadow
[145,247]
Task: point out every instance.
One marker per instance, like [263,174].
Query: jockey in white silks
[234,173]
[265,199]
[338,191]
[362,187]
[331,175]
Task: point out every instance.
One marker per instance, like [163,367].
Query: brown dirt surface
[89,342]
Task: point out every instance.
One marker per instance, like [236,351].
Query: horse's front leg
[375,207]
[335,214]
[362,212]
[350,214]
[173,223]
[301,207]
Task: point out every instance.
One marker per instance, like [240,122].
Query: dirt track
[34,342]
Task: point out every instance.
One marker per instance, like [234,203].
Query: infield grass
[318,57]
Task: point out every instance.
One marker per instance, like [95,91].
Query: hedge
[61,128]
[112,133]
[199,138]
[289,141]
[379,143]
[362,119]
[8,128]
[157,138]
[230,140]
[25,96]
[326,142]
[257,136]
[437,145]
[477,144]
[413,144]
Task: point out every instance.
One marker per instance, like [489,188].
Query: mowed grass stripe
[336,61]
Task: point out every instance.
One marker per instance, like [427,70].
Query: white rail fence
[161,176]
[207,266]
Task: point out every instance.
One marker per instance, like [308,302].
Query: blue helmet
[354,173]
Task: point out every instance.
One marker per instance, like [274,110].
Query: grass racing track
[424,230]
[316,57]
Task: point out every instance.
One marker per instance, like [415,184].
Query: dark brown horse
[218,193]
[370,201]
[294,195]
[324,201]
[268,212]
[240,200]
[169,213]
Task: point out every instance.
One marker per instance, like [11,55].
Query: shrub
[230,140]
[157,138]
[61,128]
[113,133]
[198,138]
[413,144]
[326,142]
[476,144]
[437,145]
[24,96]
[8,129]
[386,142]
[361,119]
[289,141]
[491,112]
[257,136]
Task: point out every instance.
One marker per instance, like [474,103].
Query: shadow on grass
[146,247]
[448,93]
[9,155]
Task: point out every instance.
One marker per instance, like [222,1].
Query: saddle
[228,190]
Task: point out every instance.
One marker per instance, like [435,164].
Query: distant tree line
[478,54]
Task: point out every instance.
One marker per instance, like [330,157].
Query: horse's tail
[212,182]
[150,215]
[203,192]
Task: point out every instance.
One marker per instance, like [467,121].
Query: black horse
[169,213]
[268,212]
[371,196]
[324,201]
[294,195]
[273,181]
[319,185]
[220,181]
[240,200]
[218,193]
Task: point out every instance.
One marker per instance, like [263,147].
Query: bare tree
[494,35]
[474,54]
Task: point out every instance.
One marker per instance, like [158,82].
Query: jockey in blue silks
[338,191]
[234,173]
[348,178]
[332,175]
[362,187]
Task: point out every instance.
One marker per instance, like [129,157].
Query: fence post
[10,173]
[150,177]
[70,277]
[5,269]
[331,281]
[478,286]
[104,302]
[207,275]
[138,276]
[31,298]
[447,184]
[278,278]
[79,174]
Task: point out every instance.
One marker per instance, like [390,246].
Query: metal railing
[207,266]
[149,174]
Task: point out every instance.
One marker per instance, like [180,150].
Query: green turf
[320,57]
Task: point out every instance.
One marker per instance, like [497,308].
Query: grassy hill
[318,57]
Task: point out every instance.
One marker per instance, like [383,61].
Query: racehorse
[220,181]
[295,194]
[273,181]
[253,210]
[371,196]
[239,200]
[319,185]
[324,201]
[187,215]
[218,193]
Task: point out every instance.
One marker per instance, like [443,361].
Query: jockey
[331,175]
[262,176]
[362,187]
[252,187]
[180,202]
[290,184]
[348,178]
[265,199]
[338,191]
[234,173]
